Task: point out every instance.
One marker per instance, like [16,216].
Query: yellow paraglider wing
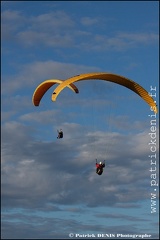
[44,86]
[135,87]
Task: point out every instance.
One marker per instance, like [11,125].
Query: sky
[49,187]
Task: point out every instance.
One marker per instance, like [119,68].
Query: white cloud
[43,117]
[144,38]
[87,21]
[68,161]
[58,29]
[32,74]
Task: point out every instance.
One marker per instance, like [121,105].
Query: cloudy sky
[49,186]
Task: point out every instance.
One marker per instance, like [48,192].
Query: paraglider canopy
[135,87]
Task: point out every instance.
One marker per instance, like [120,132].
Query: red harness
[99,165]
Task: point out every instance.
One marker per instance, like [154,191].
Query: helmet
[100,163]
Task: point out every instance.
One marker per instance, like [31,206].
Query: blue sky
[49,186]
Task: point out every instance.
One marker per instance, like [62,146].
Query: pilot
[99,167]
[60,133]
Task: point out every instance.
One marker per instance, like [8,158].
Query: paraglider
[99,167]
[135,87]
[60,134]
